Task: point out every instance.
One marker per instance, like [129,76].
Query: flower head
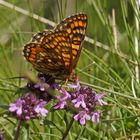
[28,107]
[84,99]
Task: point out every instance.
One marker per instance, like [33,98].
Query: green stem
[18,130]
[68,128]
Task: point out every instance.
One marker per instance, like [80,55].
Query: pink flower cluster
[83,99]
[28,107]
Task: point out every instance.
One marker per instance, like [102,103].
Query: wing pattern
[56,52]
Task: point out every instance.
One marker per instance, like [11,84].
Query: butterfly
[56,52]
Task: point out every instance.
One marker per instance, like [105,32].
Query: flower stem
[68,128]
[18,130]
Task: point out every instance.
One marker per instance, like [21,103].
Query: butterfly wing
[57,52]
[75,26]
[49,52]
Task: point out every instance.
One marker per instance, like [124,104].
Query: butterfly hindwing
[49,53]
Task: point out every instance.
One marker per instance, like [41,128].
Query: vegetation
[109,63]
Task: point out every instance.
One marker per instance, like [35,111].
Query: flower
[39,108]
[65,96]
[75,86]
[40,89]
[28,107]
[16,107]
[60,105]
[42,84]
[98,99]
[79,101]
[95,116]
[85,101]
[82,116]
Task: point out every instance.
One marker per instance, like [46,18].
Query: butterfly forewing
[76,26]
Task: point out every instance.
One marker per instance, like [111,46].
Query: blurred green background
[109,62]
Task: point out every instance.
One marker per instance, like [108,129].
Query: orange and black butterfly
[56,52]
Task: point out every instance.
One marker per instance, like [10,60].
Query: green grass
[109,62]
